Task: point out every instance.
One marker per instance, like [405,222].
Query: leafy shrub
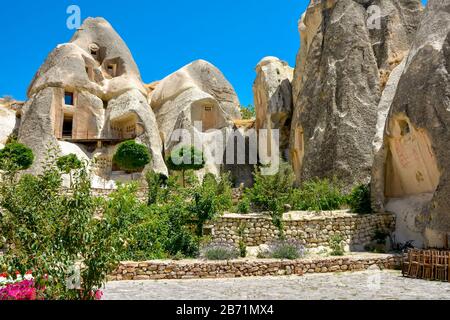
[208,200]
[50,232]
[269,188]
[242,244]
[360,200]
[242,249]
[156,231]
[219,251]
[225,192]
[178,220]
[137,228]
[244,206]
[337,246]
[272,192]
[186,158]
[284,249]
[16,156]
[131,156]
[318,195]
[155,183]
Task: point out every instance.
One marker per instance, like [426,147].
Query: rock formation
[197,98]
[8,120]
[89,92]
[342,68]
[272,92]
[410,175]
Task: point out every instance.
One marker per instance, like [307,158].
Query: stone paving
[368,285]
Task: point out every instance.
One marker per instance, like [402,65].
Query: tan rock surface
[272,92]
[415,154]
[90,91]
[338,84]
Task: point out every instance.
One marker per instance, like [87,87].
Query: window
[208,109]
[94,53]
[67,127]
[111,70]
[105,104]
[68,98]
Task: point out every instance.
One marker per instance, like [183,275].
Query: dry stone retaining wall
[165,270]
[313,229]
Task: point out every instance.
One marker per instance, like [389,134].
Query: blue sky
[162,35]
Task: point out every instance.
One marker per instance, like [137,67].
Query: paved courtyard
[368,285]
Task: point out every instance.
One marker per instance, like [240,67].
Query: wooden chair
[414,266]
[406,263]
[434,262]
[427,265]
[441,266]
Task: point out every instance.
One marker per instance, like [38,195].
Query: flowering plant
[20,287]
[96,295]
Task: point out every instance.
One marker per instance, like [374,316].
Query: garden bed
[199,269]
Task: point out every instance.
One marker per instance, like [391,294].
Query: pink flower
[98,295]
[24,290]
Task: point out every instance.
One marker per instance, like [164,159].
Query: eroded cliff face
[196,105]
[272,91]
[343,66]
[8,121]
[410,175]
[89,91]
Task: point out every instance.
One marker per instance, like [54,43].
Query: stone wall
[195,269]
[313,229]
[141,193]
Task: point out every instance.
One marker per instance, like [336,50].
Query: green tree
[68,163]
[186,158]
[16,157]
[131,156]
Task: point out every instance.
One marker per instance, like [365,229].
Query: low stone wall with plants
[313,230]
[142,193]
[197,269]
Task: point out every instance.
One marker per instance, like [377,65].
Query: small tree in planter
[186,158]
[16,157]
[132,157]
[68,163]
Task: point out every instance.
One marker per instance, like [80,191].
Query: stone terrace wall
[195,269]
[313,229]
[141,193]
